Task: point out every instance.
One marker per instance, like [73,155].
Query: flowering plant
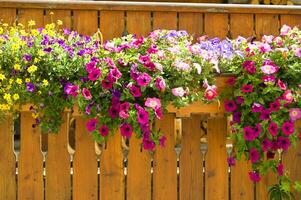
[130,81]
[35,66]
[266,102]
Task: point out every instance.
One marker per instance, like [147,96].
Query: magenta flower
[274,106]
[159,113]
[160,84]
[153,103]
[273,128]
[266,144]
[256,107]
[285,30]
[247,88]
[148,144]
[126,130]
[71,89]
[269,67]
[281,85]
[115,74]
[254,155]
[283,143]
[257,130]
[125,106]
[210,93]
[113,112]
[143,79]
[142,116]
[123,114]
[231,161]
[162,141]
[265,115]
[230,106]
[254,176]
[249,66]
[91,124]
[237,117]
[103,131]
[106,84]
[94,74]
[231,81]
[248,133]
[280,169]
[178,92]
[295,114]
[240,100]
[30,87]
[298,52]
[90,66]
[268,79]
[287,128]
[86,94]
[135,91]
[288,96]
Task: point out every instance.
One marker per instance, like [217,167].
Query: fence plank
[30,177]
[7,160]
[85,183]
[63,15]
[191,160]
[216,170]
[242,188]
[266,24]
[8,15]
[191,22]
[58,179]
[111,170]
[37,15]
[164,20]
[216,25]
[139,22]
[85,22]
[165,162]
[290,20]
[262,187]
[111,24]
[241,25]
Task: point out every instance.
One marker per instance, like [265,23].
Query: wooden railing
[193,164]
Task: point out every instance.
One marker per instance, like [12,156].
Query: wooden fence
[193,164]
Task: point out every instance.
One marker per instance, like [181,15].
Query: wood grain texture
[242,188]
[191,160]
[290,20]
[164,20]
[8,15]
[262,187]
[242,25]
[85,183]
[7,160]
[216,25]
[111,170]
[30,176]
[63,15]
[165,162]
[138,23]
[191,22]
[216,167]
[58,178]
[111,24]
[37,15]
[85,21]
[266,24]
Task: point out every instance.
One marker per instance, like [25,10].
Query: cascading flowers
[266,102]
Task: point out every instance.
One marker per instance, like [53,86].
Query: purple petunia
[275,106]
[248,133]
[249,66]
[266,144]
[91,124]
[265,115]
[230,106]
[247,88]
[126,130]
[113,112]
[30,87]
[254,176]
[287,128]
[237,117]
[254,155]
[256,107]
[103,131]
[283,143]
[142,116]
[135,91]
[273,128]
[231,161]
[143,79]
[94,74]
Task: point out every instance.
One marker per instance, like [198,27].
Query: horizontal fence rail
[192,166]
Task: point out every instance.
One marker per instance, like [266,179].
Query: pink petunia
[91,124]
[126,130]
[94,74]
[103,131]
[269,67]
[254,155]
[254,176]
[210,93]
[178,92]
[153,103]
[295,114]
[86,94]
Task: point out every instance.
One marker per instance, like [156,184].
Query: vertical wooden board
[85,22]
[111,170]
[216,167]
[58,179]
[165,20]
[37,15]
[292,161]
[8,15]
[241,25]
[290,20]
[63,15]
[7,160]
[30,176]
[111,24]
[242,188]
[266,24]
[85,183]
[216,25]
[191,22]
[262,187]
[139,172]
[191,160]
[138,22]
[165,162]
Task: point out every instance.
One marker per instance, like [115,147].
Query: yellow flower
[1,30]
[35,115]
[45,82]
[4,107]
[17,67]
[15,47]
[31,23]
[11,81]
[27,80]
[19,81]
[41,53]
[16,97]
[59,22]
[7,97]
[32,69]
[2,77]
[34,32]
[39,92]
